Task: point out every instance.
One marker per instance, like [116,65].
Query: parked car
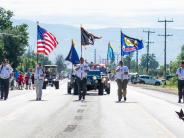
[146,79]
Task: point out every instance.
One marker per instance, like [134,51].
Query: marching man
[5,74]
[81,73]
[122,80]
[39,78]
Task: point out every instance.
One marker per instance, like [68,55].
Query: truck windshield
[94,73]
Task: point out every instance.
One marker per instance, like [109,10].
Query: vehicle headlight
[46,79]
[94,78]
[103,80]
[54,79]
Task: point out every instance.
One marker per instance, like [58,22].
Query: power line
[165,44]
[148,44]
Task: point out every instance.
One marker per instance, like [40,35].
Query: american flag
[46,42]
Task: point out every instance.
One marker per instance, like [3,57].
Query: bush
[172,82]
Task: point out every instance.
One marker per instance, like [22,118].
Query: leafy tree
[5,16]
[14,39]
[152,63]
[176,63]
[129,62]
[29,60]
[60,62]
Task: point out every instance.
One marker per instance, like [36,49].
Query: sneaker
[179,101]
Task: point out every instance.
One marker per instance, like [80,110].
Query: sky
[99,13]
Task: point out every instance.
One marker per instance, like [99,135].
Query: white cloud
[47,10]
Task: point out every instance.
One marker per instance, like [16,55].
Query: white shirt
[125,76]
[180,73]
[119,72]
[39,74]
[5,71]
[81,70]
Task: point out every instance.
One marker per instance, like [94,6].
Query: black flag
[180,114]
[87,38]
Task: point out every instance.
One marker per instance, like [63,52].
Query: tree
[14,39]
[152,63]
[5,17]
[176,63]
[60,63]
[29,60]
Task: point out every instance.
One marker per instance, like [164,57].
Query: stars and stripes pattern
[46,42]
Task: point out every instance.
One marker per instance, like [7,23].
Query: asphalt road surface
[146,114]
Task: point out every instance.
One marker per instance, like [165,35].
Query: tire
[44,85]
[75,89]
[142,82]
[108,90]
[69,90]
[57,84]
[100,89]
[157,83]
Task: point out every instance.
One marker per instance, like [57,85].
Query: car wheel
[69,90]
[142,82]
[57,84]
[157,83]
[44,85]
[108,89]
[100,89]
[75,89]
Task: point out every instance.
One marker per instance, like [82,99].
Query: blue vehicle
[97,79]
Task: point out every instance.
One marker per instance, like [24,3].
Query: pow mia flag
[87,38]
[180,114]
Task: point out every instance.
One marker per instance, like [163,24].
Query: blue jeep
[97,79]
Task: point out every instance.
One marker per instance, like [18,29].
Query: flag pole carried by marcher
[36,43]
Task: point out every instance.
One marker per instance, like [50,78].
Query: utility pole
[148,44]
[165,45]
[95,56]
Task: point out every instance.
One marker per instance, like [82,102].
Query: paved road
[146,114]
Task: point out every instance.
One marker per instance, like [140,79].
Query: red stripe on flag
[48,43]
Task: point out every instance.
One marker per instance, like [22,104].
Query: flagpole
[129,62]
[107,54]
[37,41]
[72,63]
[72,68]
[81,40]
[121,45]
